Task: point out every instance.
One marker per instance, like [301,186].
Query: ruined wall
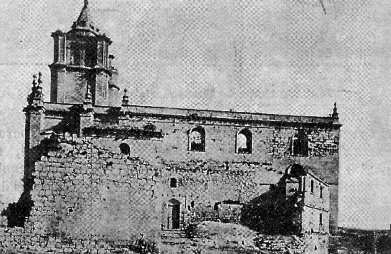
[311,244]
[271,145]
[19,240]
[87,187]
[204,185]
[198,173]
[82,190]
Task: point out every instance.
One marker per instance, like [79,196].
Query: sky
[270,56]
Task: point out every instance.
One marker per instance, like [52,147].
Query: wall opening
[173,216]
[244,141]
[90,56]
[300,143]
[173,183]
[76,54]
[125,149]
[197,139]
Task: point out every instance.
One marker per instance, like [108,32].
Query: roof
[210,115]
[85,21]
[297,170]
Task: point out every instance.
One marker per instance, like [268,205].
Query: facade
[96,165]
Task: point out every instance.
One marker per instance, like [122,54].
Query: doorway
[173,218]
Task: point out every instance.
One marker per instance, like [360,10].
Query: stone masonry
[96,167]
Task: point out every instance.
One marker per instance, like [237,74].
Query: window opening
[300,143]
[173,183]
[244,142]
[197,139]
[125,149]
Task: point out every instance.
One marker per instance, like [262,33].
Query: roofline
[225,111]
[200,114]
[309,172]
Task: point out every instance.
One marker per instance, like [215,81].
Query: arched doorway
[173,216]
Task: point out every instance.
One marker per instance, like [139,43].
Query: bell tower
[82,63]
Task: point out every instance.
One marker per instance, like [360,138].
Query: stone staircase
[175,236]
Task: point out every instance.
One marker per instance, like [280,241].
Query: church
[97,165]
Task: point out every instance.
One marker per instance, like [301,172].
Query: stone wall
[81,190]
[19,240]
[84,187]
[271,145]
[22,241]
[70,88]
[311,244]
[316,207]
[90,180]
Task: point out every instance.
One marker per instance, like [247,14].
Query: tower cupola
[81,59]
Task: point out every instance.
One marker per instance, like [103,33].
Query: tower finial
[335,111]
[125,98]
[85,3]
[35,98]
[40,79]
[34,80]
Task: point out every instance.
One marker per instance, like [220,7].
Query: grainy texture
[100,168]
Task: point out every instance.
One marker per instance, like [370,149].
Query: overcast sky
[271,56]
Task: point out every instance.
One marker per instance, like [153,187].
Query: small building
[312,195]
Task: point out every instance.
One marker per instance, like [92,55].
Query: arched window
[90,56]
[173,183]
[197,139]
[244,141]
[125,149]
[300,144]
[76,53]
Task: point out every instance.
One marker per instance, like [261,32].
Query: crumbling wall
[311,244]
[82,190]
[202,185]
[86,187]
[19,240]
[77,183]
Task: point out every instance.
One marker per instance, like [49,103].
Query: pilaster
[86,115]
[35,115]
